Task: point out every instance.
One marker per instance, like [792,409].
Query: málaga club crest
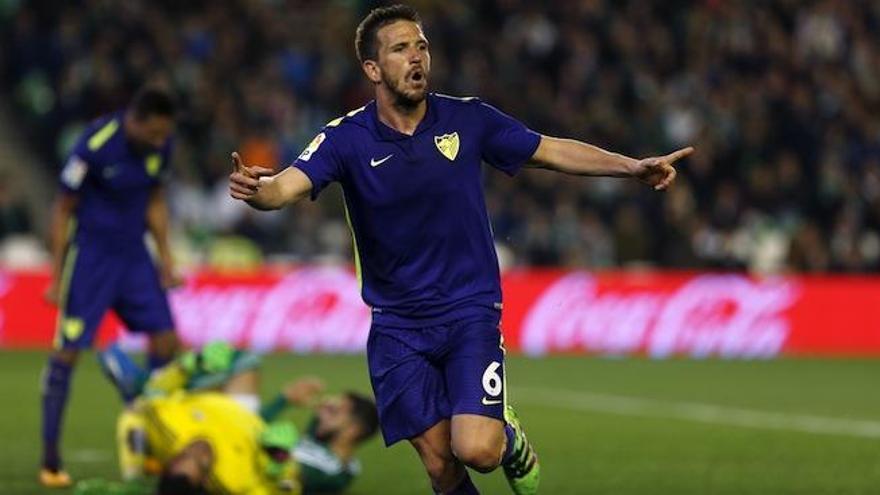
[447,144]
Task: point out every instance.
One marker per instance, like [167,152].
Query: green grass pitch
[601,426]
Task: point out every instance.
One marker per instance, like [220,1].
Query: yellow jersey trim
[153,163]
[71,228]
[357,254]
[64,325]
[101,137]
[335,122]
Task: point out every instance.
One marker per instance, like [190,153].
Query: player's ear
[372,70]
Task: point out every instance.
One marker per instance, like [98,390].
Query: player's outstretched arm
[578,158]
[263,189]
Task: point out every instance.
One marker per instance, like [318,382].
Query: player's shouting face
[403,62]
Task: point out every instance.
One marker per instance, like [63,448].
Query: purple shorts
[423,375]
[97,279]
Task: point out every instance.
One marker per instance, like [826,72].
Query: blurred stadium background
[767,246]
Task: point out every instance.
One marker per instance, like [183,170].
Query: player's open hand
[657,171]
[244,181]
[303,392]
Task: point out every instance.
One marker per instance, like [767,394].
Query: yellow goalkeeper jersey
[174,421]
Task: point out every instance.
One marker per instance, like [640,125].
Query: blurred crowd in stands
[781,99]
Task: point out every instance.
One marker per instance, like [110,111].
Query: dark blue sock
[511,443]
[155,362]
[56,384]
[466,487]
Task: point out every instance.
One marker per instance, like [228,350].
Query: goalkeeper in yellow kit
[207,443]
[324,454]
[204,441]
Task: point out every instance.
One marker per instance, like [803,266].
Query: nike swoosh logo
[376,163]
[487,402]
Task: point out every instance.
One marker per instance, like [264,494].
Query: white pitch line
[699,412]
[89,456]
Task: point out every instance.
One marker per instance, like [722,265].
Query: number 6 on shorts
[492,382]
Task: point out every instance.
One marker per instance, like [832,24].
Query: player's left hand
[304,391]
[657,171]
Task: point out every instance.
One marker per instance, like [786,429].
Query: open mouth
[417,76]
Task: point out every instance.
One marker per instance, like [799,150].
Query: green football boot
[522,470]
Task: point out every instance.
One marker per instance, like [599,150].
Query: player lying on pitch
[325,452]
[206,442]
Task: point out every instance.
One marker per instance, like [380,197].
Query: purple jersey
[112,182]
[423,242]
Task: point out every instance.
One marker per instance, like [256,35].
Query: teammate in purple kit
[110,195]
[409,163]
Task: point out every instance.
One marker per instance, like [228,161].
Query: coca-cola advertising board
[653,314]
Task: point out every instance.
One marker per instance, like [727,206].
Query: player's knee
[66,356]
[165,345]
[478,454]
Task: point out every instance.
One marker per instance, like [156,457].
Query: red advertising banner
[654,314]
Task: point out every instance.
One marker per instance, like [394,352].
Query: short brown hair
[149,101]
[365,42]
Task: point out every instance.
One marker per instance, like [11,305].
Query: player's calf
[445,471]
[55,389]
[442,467]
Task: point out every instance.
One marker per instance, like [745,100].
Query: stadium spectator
[14,214]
